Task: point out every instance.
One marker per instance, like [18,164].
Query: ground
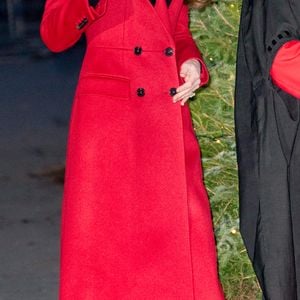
[36,97]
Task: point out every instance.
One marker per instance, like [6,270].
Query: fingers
[188,86]
[190,72]
[185,99]
[186,90]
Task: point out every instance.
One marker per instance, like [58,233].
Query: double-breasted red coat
[136,221]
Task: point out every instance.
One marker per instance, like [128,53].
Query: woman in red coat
[136,220]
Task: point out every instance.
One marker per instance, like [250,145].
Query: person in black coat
[268,143]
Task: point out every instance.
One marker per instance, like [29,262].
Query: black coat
[268,148]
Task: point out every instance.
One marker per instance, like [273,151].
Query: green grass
[215,30]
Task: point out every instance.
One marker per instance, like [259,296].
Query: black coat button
[169,51]
[140,92]
[138,50]
[172,91]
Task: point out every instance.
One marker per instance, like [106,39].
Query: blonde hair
[197,3]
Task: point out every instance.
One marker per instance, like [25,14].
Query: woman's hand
[190,71]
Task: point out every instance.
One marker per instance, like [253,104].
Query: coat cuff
[204,76]
[286,66]
[84,14]
[63,22]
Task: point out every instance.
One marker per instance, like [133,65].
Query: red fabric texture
[136,221]
[285,68]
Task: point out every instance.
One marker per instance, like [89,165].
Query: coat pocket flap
[104,84]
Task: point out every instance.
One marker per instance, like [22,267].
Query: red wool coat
[136,220]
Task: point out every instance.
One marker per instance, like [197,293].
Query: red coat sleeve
[64,21]
[285,68]
[186,47]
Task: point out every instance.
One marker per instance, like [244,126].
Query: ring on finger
[192,95]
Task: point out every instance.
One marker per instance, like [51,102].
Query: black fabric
[168,2]
[267,131]
[93,3]
[154,1]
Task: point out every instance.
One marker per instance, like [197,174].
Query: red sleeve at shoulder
[285,69]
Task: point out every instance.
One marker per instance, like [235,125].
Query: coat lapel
[160,11]
[167,16]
